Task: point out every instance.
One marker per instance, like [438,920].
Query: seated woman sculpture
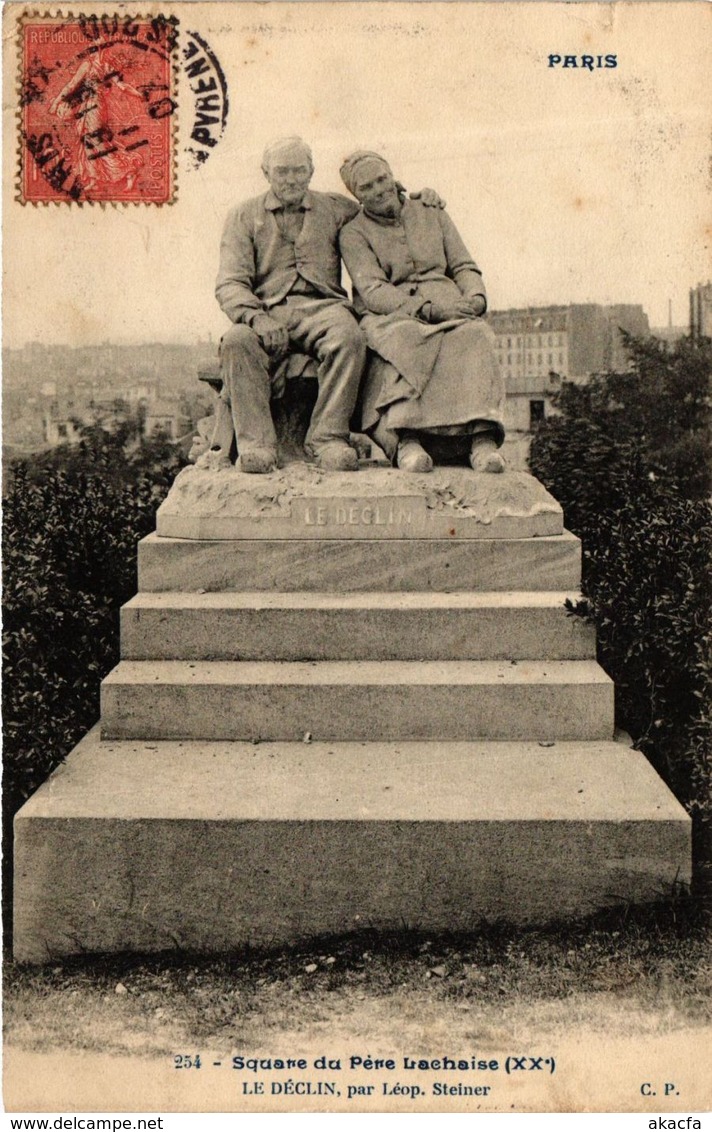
[433,390]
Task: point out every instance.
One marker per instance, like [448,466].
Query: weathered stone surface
[291,414]
[357,700]
[210,846]
[348,566]
[401,658]
[379,626]
[302,502]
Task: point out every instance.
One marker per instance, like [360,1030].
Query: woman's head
[369,178]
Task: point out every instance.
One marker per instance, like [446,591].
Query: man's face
[375,188]
[289,173]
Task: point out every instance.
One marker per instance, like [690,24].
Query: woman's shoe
[412,457]
[485,455]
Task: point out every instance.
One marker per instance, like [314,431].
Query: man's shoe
[485,455]
[258,460]
[338,456]
[412,457]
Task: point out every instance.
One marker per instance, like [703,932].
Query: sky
[567,185]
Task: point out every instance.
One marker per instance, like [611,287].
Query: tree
[627,457]
[71,521]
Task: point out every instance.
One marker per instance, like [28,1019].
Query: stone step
[357,700]
[359,565]
[376,626]
[207,847]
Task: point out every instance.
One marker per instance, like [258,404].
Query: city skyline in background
[673,319]
[52,391]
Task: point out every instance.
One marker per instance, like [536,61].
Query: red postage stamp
[98,106]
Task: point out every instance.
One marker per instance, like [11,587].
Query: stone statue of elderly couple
[410,360]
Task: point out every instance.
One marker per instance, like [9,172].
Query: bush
[624,459]
[71,522]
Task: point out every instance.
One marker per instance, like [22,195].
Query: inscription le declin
[384,514]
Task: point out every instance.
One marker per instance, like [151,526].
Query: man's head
[287,165]
[368,176]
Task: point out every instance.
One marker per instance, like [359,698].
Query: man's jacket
[259,266]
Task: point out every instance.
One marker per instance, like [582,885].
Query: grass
[641,971]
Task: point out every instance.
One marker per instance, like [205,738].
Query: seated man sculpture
[433,388]
[280,284]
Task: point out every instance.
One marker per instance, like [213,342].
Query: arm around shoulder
[344,208]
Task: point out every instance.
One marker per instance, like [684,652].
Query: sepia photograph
[356,387]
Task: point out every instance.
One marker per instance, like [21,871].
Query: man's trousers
[327,331]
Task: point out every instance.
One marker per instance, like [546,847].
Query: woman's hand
[478,304]
[444,312]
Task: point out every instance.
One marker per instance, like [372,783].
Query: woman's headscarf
[348,169]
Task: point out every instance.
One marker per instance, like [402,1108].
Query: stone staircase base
[210,846]
[318,726]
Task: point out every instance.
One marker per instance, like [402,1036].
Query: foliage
[627,457]
[72,518]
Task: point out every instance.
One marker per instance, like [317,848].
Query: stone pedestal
[302,502]
[345,700]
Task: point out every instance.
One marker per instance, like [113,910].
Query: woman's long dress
[442,377]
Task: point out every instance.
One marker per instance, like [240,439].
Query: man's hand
[444,312]
[430,198]
[273,336]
